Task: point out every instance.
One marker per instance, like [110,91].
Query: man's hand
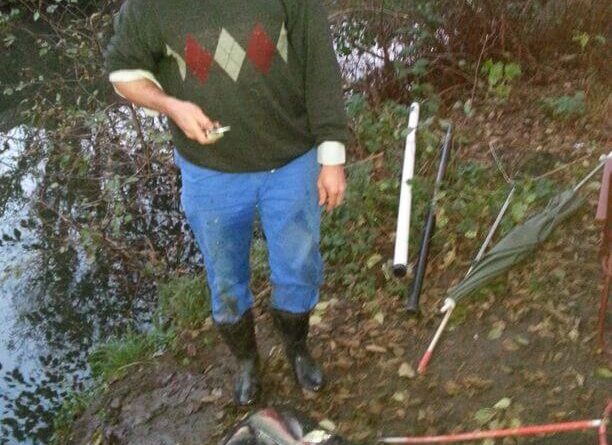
[331,184]
[188,116]
[191,119]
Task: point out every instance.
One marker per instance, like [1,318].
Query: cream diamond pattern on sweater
[229,55]
[283,44]
[182,66]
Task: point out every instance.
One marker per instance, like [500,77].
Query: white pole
[602,161]
[449,303]
[402,237]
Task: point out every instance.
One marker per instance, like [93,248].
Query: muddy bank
[544,360]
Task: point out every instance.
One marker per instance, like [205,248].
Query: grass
[73,406]
[184,302]
[183,306]
[113,359]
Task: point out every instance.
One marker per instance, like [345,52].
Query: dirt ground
[544,361]
[530,339]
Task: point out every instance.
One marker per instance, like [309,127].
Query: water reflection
[55,302]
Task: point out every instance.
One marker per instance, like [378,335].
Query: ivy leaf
[496,73]
[419,68]
[512,71]
[497,331]
[373,260]
[604,373]
[503,403]
[484,415]
[518,211]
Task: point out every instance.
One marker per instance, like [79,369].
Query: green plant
[377,128]
[184,302]
[565,107]
[111,360]
[500,76]
[74,404]
[584,39]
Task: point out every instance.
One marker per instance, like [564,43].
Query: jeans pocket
[196,180]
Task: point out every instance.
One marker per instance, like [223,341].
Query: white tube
[402,237]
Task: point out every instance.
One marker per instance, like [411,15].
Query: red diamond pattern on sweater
[197,59]
[261,49]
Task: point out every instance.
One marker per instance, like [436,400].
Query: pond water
[55,305]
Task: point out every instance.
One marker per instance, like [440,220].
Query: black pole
[413,294]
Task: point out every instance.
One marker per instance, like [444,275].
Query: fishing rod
[413,294]
[524,431]
[402,237]
[449,303]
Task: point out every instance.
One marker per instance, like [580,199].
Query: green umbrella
[519,243]
[513,248]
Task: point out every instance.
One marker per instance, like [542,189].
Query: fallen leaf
[509,345]
[604,373]
[405,370]
[449,258]
[524,341]
[322,306]
[573,334]
[497,331]
[373,260]
[97,438]
[452,388]
[315,320]
[376,348]
[503,403]
[379,317]
[484,415]
[515,422]
[398,352]
[400,396]
[327,424]
[211,398]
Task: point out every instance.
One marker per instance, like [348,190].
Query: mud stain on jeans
[230,306]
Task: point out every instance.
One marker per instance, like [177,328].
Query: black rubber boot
[240,337]
[294,329]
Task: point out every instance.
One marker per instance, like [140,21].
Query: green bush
[565,107]
[500,76]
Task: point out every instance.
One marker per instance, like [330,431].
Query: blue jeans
[221,207]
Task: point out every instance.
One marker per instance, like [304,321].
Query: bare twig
[368,159]
[369,10]
[500,166]
[562,167]
[477,70]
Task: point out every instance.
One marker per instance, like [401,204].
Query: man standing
[267,70]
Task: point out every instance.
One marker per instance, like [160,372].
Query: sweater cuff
[131,76]
[331,153]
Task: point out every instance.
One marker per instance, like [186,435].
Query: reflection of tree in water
[106,222]
[29,407]
[66,321]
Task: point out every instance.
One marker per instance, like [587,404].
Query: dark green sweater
[267,68]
